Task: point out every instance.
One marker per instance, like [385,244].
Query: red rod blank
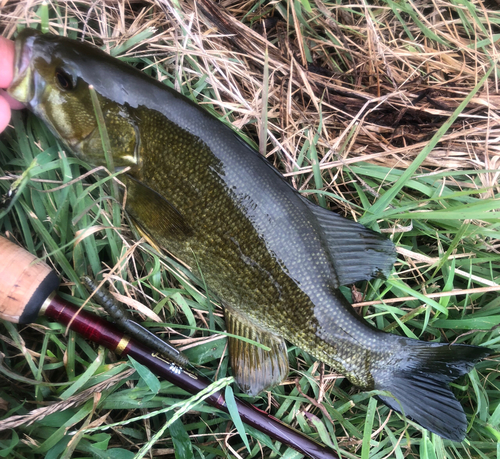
[104,333]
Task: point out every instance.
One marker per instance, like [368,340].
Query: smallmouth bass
[274,259]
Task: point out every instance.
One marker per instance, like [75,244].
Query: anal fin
[255,369]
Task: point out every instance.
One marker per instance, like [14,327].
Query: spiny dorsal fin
[358,253]
[254,368]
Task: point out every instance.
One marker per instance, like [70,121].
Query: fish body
[274,259]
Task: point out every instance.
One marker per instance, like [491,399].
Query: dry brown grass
[381,95]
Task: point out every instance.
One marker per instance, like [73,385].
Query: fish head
[52,76]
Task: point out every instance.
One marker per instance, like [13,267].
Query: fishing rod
[28,290]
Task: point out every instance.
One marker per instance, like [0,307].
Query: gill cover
[52,78]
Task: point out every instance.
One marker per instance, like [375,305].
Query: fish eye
[64,80]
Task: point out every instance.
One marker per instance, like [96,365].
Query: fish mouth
[23,85]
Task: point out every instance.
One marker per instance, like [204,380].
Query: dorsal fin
[255,369]
[358,253]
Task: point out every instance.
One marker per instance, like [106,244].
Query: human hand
[6,74]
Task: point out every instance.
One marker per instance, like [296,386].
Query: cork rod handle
[26,283]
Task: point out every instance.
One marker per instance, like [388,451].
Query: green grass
[442,209]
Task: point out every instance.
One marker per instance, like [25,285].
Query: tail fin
[419,383]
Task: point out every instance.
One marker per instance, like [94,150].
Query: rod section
[27,290]
[106,334]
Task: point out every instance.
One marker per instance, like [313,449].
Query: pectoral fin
[151,212]
[255,369]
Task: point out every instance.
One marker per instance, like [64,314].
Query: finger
[13,103]
[6,62]
[4,113]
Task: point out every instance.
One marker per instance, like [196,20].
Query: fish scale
[274,259]
[231,269]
